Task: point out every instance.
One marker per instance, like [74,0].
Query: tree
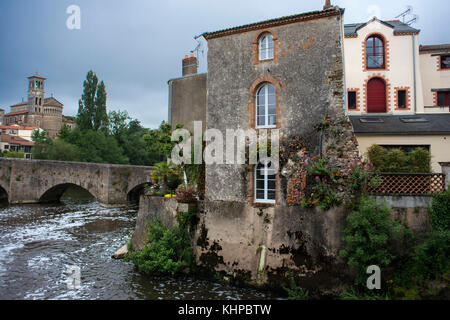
[42,144]
[159,142]
[92,105]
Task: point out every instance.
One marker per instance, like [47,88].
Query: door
[376,96]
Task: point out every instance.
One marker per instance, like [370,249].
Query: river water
[39,242]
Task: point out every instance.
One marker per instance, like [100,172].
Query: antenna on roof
[406,13]
[413,20]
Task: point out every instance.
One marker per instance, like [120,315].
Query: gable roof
[273,22]
[16,113]
[19,104]
[52,102]
[37,76]
[15,140]
[398,26]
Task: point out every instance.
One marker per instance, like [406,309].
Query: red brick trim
[256,60]
[386,53]
[388,91]
[358,104]
[405,33]
[407,99]
[252,101]
[435,99]
[439,64]
[351,36]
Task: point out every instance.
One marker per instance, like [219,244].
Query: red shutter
[376,96]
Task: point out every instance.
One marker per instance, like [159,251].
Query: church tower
[36,91]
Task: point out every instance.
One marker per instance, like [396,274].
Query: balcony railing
[409,184]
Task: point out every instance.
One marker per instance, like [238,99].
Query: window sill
[266,127]
[266,202]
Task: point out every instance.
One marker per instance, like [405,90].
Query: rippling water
[39,242]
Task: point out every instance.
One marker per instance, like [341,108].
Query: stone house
[282,74]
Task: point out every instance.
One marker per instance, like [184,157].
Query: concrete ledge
[406,201]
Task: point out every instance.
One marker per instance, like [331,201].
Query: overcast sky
[136,46]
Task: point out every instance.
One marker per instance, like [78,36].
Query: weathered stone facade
[34,181]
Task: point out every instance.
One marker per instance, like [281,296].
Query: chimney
[190,65]
[327,5]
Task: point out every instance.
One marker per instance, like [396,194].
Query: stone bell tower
[36,91]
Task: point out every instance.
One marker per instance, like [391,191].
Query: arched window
[266,106]
[265,183]
[266,47]
[375,53]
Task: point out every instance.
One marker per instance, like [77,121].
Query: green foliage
[92,105]
[13,154]
[295,293]
[168,250]
[170,176]
[159,142]
[440,211]
[354,294]
[396,160]
[430,260]
[370,237]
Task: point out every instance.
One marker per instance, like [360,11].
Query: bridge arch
[55,193]
[135,193]
[4,199]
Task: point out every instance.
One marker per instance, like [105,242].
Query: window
[266,107]
[36,100]
[6,147]
[445,62]
[352,100]
[443,98]
[375,53]
[266,47]
[265,183]
[401,98]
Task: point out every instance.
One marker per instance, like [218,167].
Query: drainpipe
[414,65]
[170,100]
[262,262]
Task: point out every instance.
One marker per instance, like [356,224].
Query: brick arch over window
[256,60]
[388,91]
[252,101]
[386,52]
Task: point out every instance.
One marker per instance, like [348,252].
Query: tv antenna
[406,16]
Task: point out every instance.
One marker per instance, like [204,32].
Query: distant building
[15,143]
[19,131]
[45,113]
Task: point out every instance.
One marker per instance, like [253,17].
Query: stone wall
[187,101]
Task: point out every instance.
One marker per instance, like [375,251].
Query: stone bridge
[40,181]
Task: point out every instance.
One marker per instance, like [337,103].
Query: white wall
[433,79]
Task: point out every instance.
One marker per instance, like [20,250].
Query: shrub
[376,155]
[440,211]
[295,293]
[186,194]
[419,161]
[370,237]
[430,259]
[167,250]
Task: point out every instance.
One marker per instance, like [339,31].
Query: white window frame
[266,185]
[266,48]
[266,108]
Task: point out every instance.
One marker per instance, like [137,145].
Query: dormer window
[375,53]
[266,47]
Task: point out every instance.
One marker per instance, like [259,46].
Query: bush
[167,251]
[396,160]
[370,237]
[430,259]
[440,211]
[186,194]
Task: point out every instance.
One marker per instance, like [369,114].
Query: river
[38,243]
